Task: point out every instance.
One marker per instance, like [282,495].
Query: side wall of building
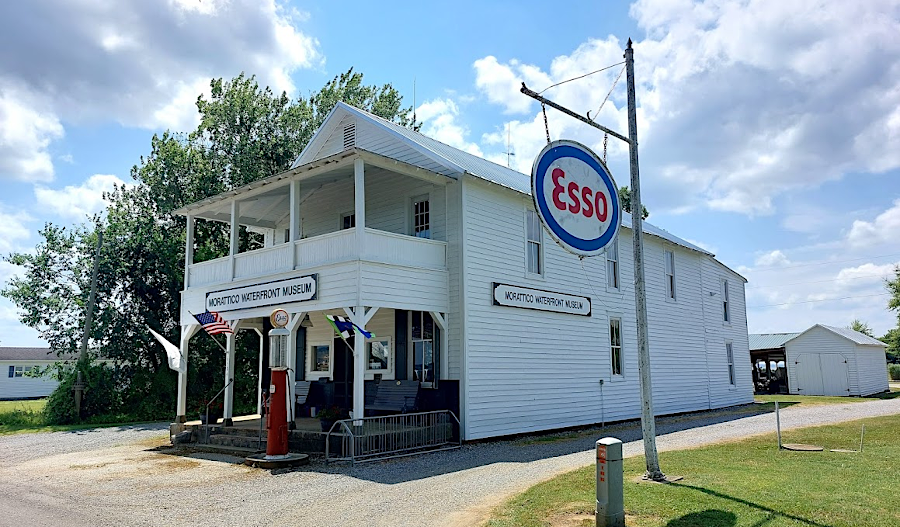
[24,387]
[814,342]
[871,369]
[536,370]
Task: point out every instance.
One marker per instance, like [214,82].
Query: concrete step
[237,441]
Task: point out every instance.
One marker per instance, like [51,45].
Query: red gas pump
[277,416]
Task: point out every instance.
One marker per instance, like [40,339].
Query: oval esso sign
[576,197]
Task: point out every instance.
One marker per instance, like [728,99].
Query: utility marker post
[648,423]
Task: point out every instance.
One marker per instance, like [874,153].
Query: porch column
[259,387]
[188,251]
[187,332]
[441,322]
[233,246]
[292,363]
[295,220]
[359,193]
[230,343]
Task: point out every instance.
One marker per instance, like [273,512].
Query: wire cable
[820,300]
[822,281]
[580,77]
[823,262]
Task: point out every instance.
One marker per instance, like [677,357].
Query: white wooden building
[825,360]
[440,253]
[16,363]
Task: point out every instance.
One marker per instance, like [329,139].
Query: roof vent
[349,135]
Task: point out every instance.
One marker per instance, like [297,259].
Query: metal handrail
[390,436]
[216,396]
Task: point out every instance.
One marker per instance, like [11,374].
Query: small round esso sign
[576,197]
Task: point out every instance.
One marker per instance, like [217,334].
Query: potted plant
[328,416]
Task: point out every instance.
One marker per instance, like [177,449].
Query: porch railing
[371,438]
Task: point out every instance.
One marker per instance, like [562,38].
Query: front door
[343,373]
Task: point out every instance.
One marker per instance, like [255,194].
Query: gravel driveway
[114,477]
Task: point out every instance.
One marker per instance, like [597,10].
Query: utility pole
[88,320]
[648,423]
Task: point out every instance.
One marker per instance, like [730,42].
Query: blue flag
[344,327]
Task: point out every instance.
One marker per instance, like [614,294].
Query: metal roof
[481,168]
[855,336]
[765,341]
[7,353]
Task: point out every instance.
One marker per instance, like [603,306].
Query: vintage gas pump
[276,419]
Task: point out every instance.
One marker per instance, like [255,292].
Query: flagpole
[212,337]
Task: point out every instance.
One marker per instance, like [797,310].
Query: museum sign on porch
[279,292]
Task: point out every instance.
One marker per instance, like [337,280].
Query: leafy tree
[862,327]
[245,133]
[625,198]
[892,339]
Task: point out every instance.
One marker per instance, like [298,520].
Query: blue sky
[770,134]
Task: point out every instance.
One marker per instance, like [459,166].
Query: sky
[769,131]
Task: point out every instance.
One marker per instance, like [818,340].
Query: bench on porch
[395,396]
[301,391]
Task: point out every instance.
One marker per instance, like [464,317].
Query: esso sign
[576,197]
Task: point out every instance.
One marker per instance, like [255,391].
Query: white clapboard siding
[24,387]
[453,198]
[534,370]
[404,287]
[811,343]
[871,369]
[321,332]
[380,141]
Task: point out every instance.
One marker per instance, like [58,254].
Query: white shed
[825,360]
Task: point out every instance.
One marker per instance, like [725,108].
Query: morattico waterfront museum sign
[526,298]
[278,292]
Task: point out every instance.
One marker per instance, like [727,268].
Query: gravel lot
[113,476]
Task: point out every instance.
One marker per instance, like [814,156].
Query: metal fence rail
[389,436]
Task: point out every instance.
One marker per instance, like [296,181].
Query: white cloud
[440,121]
[76,202]
[26,129]
[884,229]
[13,231]
[774,258]
[739,101]
[137,63]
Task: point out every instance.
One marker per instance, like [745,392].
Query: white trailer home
[825,360]
[441,255]
[16,363]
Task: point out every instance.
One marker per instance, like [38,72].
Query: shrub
[100,395]
[894,372]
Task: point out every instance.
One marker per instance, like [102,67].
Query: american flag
[213,323]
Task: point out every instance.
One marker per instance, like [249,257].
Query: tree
[625,199]
[893,287]
[245,133]
[862,327]
[892,339]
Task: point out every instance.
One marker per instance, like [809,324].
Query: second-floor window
[533,262]
[421,218]
[670,275]
[726,314]
[612,265]
[348,221]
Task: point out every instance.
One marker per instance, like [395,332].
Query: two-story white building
[441,255]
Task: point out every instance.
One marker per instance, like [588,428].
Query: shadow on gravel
[525,449]
[139,427]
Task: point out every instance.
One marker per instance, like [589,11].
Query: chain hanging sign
[576,197]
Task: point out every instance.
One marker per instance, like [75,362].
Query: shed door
[809,375]
[835,378]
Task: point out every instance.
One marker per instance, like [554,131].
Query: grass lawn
[814,400]
[22,417]
[740,484]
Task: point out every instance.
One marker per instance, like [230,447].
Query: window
[348,220]
[534,264]
[19,371]
[729,353]
[670,275]
[612,265]
[421,218]
[379,358]
[726,315]
[320,359]
[615,345]
[12,371]
[422,331]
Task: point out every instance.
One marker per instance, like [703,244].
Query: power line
[580,77]
[820,300]
[824,281]
[822,262]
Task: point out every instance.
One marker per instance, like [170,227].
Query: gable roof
[452,160]
[16,353]
[765,341]
[853,336]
